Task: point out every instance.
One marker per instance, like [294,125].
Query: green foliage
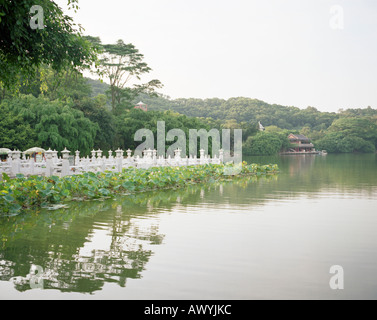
[96,111]
[54,124]
[265,143]
[64,84]
[33,192]
[14,132]
[350,134]
[22,50]
[98,87]
[314,135]
[336,142]
[367,112]
[122,63]
[137,119]
[362,127]
[245,110]
[352,125]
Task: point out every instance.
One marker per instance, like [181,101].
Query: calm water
[267,238]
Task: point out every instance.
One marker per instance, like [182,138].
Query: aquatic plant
[22,193]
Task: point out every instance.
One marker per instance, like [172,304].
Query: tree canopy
[48,124]
[57,42]
[246,110]
[350,134]
[265,143]
[122,64]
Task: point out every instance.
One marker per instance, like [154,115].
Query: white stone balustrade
[52,165]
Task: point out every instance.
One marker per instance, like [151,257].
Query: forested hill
[351,130]
[246,109]
[243,110]
[97,87]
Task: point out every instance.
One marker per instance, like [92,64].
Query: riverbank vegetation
[46,101]
[23,193]
[78,119]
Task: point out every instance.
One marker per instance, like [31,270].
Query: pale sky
[320,53]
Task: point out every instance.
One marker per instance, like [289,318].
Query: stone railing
[53,165]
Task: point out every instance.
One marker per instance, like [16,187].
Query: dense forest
[78,121]
[351,130]
[245,109]
[46,101]
[62,109]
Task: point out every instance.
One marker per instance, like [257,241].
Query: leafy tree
[336,142]
[98,87]
[356,144]
[58,42]
[64,84]
[138,119]
[55,124]
[363,128]
[265,143]
[121,64]
[14,132]
[314,135]
[97,112]
[367,112]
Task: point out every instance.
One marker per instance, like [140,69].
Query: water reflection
[91,244]
[80,249]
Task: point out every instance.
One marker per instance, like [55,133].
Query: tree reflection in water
[92,243]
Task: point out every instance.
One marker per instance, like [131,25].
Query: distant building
[142,106]
[300,143]
[261,128]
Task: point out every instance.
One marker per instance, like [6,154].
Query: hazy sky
[320,53]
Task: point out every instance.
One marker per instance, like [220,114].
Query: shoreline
[22,193]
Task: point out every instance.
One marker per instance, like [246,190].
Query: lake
[272,237]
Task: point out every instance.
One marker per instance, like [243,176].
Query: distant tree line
[347,131]
[246,110]
[60,109]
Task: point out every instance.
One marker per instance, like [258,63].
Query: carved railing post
[221,155]
[49,162]
[119,160]
[77,158]
[65,162]
[202,157]
[16,162]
